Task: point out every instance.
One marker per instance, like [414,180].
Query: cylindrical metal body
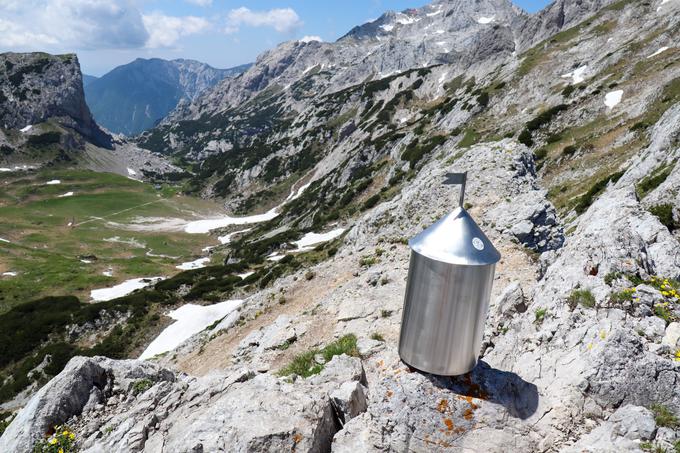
[444,314]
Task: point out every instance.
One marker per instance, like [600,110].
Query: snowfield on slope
[196,264]
[190,320]
[311,239]
[577,75]
[123,289]
[207,225]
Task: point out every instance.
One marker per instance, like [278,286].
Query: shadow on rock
[519,397]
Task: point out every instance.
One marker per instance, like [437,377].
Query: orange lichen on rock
[449,424]
[297,437]
[443,406]
[389,393]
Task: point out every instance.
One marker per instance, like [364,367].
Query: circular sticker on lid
[478,244]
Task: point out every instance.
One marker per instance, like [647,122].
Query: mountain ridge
[158,86]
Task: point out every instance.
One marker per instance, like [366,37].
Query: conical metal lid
[456,238]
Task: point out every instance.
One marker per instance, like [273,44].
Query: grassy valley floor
[66,232]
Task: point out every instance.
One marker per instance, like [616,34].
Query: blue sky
[223,33]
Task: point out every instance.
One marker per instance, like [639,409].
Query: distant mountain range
[134,97]
[88,79]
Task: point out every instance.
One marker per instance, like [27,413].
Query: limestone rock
[624,431]
[672,336]
[349,400]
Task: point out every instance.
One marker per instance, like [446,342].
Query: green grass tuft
[305,364]
[581,297]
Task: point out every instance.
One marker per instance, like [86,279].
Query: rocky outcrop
[35,87]
[136,406]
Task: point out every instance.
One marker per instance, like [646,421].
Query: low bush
[664,212]
[5,420]
[526,138]
[541,154]
[569,150]
[48,138]
[654,180]
[371,202]
[586,200]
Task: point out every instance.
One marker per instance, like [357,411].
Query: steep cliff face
[134,97]
[35,87]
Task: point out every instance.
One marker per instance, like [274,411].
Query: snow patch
[123,289]
[190,320]
[131,172]
[387,27]
[4,240]
[108,273]
[577,75]
[275,257]
[3,169]
[443,77]
[661,50]
[486,20]
[67,194]
[197,264]
[403,19]
[311,239]
[246,275]
[227,238]
[54,182]
[27,128]
[612,99]
[131,242]
[9,274]
[310,38]
[206,226]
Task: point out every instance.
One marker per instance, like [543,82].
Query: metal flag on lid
[447,296]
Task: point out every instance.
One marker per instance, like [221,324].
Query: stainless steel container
[447,295]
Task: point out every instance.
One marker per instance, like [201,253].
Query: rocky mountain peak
[37,86]
[134,97]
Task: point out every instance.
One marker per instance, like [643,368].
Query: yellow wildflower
[677,355]
[72,436]
[61,450]
[65,433]
[53,441]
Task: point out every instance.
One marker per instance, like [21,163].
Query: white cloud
[165,31]
[71,24]
[12,35]
[68,25]
[201,2]
[283,20]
